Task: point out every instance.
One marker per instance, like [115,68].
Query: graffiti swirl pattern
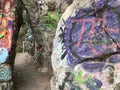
[5,73]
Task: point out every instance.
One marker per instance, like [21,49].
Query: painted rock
[6,28]
[5,73]
[3,55]
[86,49]
[6,86]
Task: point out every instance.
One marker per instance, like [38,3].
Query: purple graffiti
[114,59]
[90,35]
[93,84]
[93,67]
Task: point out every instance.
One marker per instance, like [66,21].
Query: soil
[27,77]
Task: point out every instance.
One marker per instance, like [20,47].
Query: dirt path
[27,77]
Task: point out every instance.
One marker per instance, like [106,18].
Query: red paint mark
[118,44]
[7,6]
[81,34]
[93,50]
[4,43]
[113,30]
[109,46]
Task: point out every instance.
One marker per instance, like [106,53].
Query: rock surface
[85,75]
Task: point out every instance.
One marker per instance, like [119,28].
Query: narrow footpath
[27,77]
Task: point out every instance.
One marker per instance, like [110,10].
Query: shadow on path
[27,77]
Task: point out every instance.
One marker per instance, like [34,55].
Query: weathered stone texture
[73,68]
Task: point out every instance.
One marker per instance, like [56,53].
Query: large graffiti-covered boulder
[6,28]
[86,50]
[9,28]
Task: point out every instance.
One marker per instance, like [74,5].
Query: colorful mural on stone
[6,28]
[5,72]
[86,54]
[6,23]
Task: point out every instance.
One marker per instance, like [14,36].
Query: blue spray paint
[93,84]
[3,55]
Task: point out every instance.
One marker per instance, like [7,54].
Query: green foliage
[50,21]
